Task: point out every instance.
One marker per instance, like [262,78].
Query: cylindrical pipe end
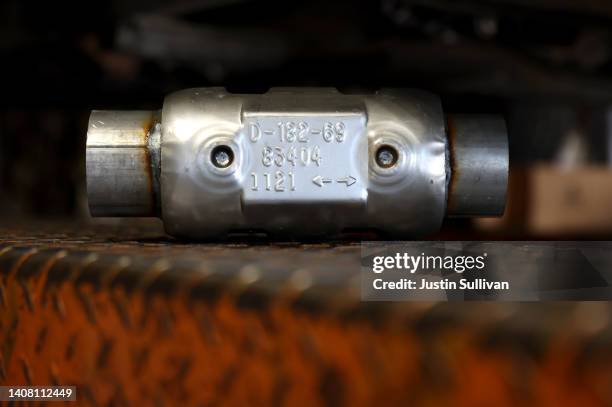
[122,162]
[478,160]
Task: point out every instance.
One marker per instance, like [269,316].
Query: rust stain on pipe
[148,126]
[451,133]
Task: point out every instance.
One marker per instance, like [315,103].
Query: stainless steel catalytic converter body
[296,163]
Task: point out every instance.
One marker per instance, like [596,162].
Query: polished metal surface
[123,161]
[293,163]
[479,165]
[303,162]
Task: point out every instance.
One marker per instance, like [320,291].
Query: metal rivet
[222,156]
[386,156]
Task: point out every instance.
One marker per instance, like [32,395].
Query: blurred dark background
[544,64]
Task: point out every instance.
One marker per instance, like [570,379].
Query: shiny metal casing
[295,163]
[345,190]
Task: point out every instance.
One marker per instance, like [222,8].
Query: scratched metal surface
[132,317]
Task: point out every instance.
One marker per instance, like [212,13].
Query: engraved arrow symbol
[347,180]
[319,180]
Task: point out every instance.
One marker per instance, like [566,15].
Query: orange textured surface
[151,322]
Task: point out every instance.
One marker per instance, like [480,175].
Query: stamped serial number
[277,181]
[299,131]
[302,158]
[279,156]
